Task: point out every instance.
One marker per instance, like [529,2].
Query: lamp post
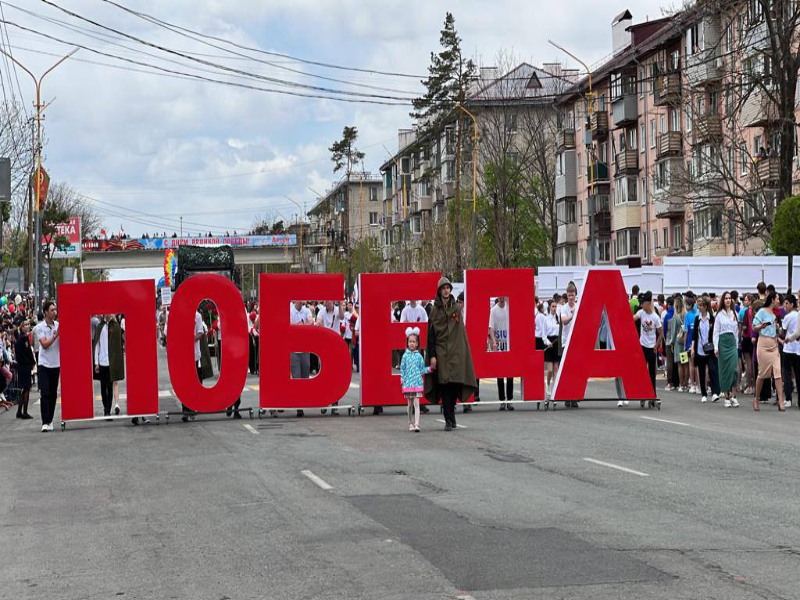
[474,178]
[40,108]
[302,231]
[590,208]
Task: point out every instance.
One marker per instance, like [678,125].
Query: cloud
[220,155]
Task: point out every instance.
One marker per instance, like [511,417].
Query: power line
[266,52]
[183,75]
[221,67]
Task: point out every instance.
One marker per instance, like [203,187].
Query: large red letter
[77,303]
[379,336]
[279,339]
[581,361]
[180,343]
[522,359]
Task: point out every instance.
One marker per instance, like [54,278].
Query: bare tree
[739,91]
[517,133]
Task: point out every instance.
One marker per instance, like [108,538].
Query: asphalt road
[693,501]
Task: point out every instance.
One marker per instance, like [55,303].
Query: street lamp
[590,209]
[38,175]
[302,230]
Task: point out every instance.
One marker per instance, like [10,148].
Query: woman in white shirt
[703,349]
[726,342]
[791,345]
[550,339]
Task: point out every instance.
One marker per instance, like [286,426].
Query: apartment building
[664,156]
[349,212]
[419,179]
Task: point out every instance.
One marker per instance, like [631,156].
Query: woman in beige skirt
[769,359]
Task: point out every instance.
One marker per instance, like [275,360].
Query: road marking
[465,597]
[162,394]
[354,385]
[254,388]
[617,467]
[457,425]
[318,481]
[666,421]
[251,429]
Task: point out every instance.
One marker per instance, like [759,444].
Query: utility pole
[181,226]
[40,108]
[361,220]
[474,179]
[302,231]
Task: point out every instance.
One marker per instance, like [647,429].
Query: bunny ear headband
[410,330]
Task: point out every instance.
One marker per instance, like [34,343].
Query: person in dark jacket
[25,364]
[703,349]
[449,355]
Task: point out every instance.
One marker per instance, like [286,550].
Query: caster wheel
[63,426]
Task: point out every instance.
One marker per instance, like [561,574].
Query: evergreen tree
[446,86]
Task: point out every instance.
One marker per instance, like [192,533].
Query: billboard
[235,241]
[71,230]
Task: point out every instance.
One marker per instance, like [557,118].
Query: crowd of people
[717,347]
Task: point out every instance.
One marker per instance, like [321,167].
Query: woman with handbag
[678,339]
[703,350]
[726,342]
[769,360]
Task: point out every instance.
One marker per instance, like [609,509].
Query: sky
[154,153]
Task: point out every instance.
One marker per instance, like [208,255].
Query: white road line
[164,393]
[457,425]
[354,385]
[318,481]
[666,421]
[465,597]
[617,467]
[251,429]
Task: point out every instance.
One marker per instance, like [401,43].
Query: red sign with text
[604,293]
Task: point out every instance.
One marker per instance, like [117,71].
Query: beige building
[342,218]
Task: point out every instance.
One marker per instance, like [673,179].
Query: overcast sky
[218,155]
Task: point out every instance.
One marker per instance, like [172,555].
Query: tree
[785,241]
[726,178]
[446,86]
[345,155]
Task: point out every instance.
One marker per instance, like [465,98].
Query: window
[580,165]
[642,137]
[728,102]
[641,82]
[731,161]
[604,247]
[743,158]
[511,123]
[631,138]
[662,175]
[373,218]
[416,224]
[665,236]
[677,236]
[645,245]
[373,194]
[729,38]
[643,190]
[627,243]
[757,145]
[663,124]
[449,170]
[652,133]
[689,118]
[655,240]
[565,212]
[624,190]
[694,42]
[622,244]
[634,242]
[674,120]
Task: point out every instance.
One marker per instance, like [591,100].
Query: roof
[523,82]
[625,15]
[648,37]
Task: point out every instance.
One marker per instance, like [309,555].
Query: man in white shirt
[413,313]
[301,361]
[348,331]
[330,317]
[566,315]
[498,340]
[101,366]
[199,332]
[49,368]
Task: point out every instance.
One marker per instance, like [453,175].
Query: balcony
[708,128]
[602,215]
[758,110]
[426,202]
[669,144]
[669,205]
[702,67]
[599,124]
[625,110]
[565,139]
[627,215]
[567,233]
[667,90]
[769,170]
[448,189]
[625,162]
[597,172]
[566,184]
